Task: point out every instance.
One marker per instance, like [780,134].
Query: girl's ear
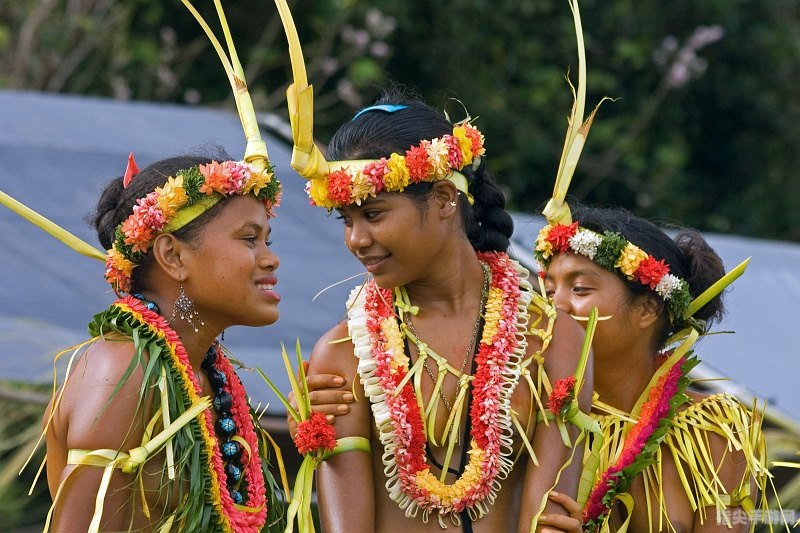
[648,311]
[445,198]
[167,253]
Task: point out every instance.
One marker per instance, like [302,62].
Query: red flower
[419,166]
[559,236]
[476,138]
[340,187]
[315,434]
[562,393]
[650,271]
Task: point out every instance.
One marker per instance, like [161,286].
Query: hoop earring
[184,309]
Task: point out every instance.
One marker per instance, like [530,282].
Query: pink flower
[238,173]
[375,172]
[149,213]
[454,153]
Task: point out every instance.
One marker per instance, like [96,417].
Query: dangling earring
[184,309]
[223,335]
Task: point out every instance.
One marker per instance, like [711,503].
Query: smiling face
[231,269]
[393,238]
[576,284]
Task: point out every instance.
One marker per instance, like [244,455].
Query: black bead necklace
[230,449]
[226,428]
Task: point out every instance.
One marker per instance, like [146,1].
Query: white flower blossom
[585,242]
[668,285]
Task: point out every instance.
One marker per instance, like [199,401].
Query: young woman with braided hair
[446,344]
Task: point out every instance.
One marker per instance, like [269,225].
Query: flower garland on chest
[641,442]
[397,409]
[233,510]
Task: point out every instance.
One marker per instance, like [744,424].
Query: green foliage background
[718,151]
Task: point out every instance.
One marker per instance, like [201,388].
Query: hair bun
[704,268]
[105,214]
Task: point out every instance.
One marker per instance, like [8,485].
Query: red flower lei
[640,444]
[490,401]
[235,518]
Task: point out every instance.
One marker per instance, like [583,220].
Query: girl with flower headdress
[658,458]
[446,346]
[669,458]
[152,427]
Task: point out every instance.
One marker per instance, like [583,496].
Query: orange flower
[476,137]
[339,186]
[217,178]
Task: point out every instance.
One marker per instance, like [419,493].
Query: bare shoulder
[100,404]
[333,353]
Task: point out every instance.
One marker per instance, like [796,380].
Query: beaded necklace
[238,503]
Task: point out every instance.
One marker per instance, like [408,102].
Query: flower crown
[183,198]
[613,252]
[339,183]
[442,158]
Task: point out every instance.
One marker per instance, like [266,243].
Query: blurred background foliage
[704,129]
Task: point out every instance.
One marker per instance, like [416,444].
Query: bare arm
[344,482]
[325,397]
[84,421]
[561,359]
